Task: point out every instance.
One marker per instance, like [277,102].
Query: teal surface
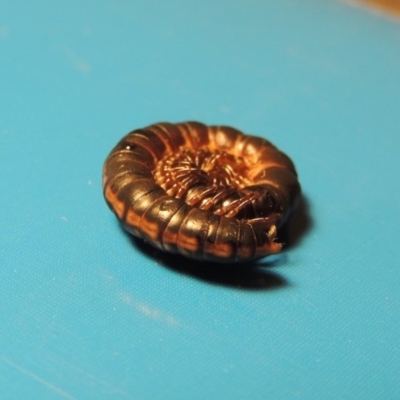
[87,313]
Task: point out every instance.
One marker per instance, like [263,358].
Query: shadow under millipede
[255,275]
[250,276]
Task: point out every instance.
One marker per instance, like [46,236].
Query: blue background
[87,313]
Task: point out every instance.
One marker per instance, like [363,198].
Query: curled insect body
[209,193]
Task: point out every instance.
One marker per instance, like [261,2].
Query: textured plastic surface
[86,313]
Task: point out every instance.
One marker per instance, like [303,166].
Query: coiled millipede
[210,193]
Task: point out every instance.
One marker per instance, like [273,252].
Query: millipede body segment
[209,193]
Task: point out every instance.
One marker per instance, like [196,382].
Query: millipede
[210,193]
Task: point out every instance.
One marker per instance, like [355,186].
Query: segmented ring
[209,193]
